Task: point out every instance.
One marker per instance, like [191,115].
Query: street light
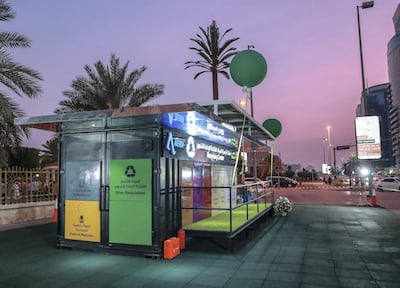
[251,90]
[329,145]
[365,5]
[323,149]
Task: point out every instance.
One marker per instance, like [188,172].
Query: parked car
[263,184]
[281,181]
[388,184]
[255,187]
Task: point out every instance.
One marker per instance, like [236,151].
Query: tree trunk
[215,84]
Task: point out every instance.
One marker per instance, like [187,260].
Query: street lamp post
[329,146]
[364,5]
[323,150]
[251,90]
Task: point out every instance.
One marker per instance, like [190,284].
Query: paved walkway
[314,246]
[343,244]
[313,193]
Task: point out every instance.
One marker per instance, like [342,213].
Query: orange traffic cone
[182,238]
[374,200]
[55,213]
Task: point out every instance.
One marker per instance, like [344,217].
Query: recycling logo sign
[130,171]
[131,179]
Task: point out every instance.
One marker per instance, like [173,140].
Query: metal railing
[19,185]
[239,197]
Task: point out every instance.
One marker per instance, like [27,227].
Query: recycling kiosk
[120,170]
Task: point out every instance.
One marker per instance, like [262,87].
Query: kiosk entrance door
[107,187]
[130,166]
[81,174]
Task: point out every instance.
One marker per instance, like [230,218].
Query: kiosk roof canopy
[222,111]
[231,113]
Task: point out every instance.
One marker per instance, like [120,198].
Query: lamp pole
[251,89]
[323,150]
[364,5]
[329,146]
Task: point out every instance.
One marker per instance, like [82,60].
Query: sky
[310,46]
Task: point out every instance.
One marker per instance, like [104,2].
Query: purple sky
[311,48]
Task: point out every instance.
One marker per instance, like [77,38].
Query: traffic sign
[343,147]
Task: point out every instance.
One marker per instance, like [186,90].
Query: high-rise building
[393,56]
[379,104]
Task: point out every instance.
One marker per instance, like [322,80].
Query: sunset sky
[311,48]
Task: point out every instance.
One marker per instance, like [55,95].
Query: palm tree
[50,152]
[15,78]
[108,87]
[214,54]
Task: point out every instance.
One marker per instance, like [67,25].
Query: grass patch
[221,221]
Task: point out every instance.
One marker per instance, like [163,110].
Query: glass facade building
[379,104]
[393,56]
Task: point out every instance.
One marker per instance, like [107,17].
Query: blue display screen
[196,124]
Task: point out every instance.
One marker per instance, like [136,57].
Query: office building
[393,56]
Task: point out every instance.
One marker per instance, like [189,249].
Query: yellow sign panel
[82,220]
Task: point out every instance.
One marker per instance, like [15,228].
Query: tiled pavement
[314,246]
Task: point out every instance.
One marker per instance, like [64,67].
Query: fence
[239,207]
[19,185]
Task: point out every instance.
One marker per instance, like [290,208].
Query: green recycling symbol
[130,171]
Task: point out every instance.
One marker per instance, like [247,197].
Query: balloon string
[240,140]
[272,165]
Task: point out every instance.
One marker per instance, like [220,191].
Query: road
[320,193]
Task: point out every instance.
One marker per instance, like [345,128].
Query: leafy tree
[307,175]
[214,54]
[24,157]
[50,152]
[16,78]
[289,172]
[351,165]
[3,158]
[108,87]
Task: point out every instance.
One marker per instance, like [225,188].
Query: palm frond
[20,79]
[144,93]
[6,13]
[200,73]
[10,135]
[13,40]
[226,74]
[49,153]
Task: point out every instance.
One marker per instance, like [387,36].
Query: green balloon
[273,126]
[248,68]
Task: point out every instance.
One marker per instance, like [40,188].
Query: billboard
[368,137]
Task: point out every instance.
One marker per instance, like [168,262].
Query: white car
[258,181]
[388,184]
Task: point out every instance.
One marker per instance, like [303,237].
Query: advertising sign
[368,137]
[325,168]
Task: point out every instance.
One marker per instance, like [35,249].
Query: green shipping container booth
[121,170]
